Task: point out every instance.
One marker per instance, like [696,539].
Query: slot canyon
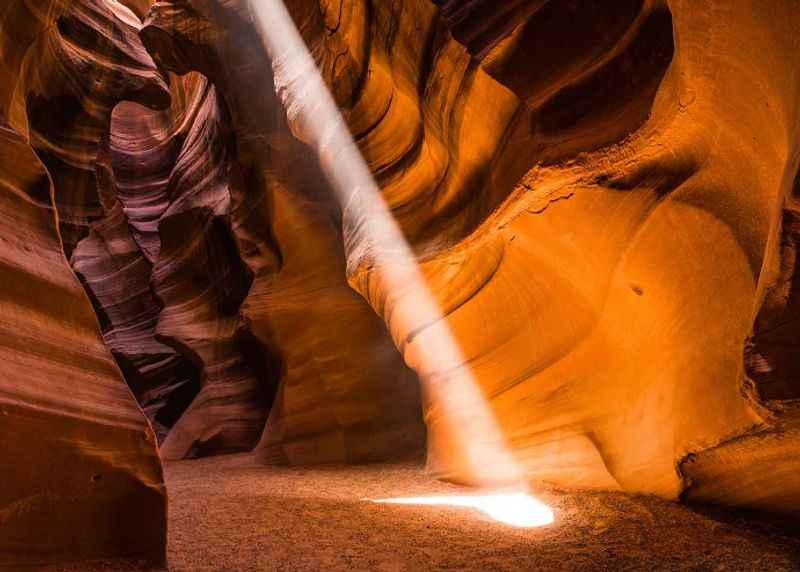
[399,285]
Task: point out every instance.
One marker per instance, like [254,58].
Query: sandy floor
[230,514]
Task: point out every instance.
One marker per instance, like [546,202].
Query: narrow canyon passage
[399,285]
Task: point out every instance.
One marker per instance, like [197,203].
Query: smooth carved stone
[80,467]
[344,392]
[91,60]
[70,121]
[635,240]
[118,276]
[552,145]
[201,314]
[601,197]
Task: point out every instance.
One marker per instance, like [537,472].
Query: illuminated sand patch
[515,509]
[476,446]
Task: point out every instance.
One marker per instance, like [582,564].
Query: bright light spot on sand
[476,445]
[515,509]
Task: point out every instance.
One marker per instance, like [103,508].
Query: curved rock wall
[178,204]
[600,196]
[76,451]
[604,180]
[344,392]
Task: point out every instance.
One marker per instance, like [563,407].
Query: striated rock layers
[344,392]
[601,196]
[80,472]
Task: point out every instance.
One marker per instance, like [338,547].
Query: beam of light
[515,509]
[472,440]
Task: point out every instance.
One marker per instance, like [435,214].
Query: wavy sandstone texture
[344,393]
[81,475]
[612,202]
[601,195]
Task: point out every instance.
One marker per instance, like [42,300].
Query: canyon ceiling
[602,195]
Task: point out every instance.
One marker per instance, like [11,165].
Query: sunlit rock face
[595,202]
[344,393]
[205,242]
[80,472]
[601,196]
[597,194]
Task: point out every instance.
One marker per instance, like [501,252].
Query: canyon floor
[232,514]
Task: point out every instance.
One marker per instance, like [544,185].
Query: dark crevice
[264,362]
[614,100]
[772,354]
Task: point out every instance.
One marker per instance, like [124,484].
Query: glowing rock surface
[601,197]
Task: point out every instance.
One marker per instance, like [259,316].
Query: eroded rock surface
[80,472]
[596,202]
[601,197]
[345,394]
